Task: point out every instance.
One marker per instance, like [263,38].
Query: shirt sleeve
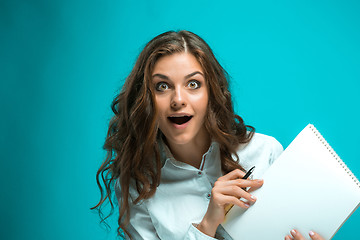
[195,234]
[140,225]
[276,151]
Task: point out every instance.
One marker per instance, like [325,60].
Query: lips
[179,120]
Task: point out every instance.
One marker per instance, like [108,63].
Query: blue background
[62,62]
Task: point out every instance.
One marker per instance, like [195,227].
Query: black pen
[247,175]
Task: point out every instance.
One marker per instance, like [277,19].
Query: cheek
[201,102]
[159,103]
[161,106]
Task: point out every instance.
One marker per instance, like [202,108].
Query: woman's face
[181,97]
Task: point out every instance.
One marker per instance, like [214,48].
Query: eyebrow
[194,73]
[187,76]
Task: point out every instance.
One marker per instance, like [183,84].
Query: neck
[191,152]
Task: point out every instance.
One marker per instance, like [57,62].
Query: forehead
[177,64]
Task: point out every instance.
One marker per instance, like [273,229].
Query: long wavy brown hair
[132,140]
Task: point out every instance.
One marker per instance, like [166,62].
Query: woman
[176,152]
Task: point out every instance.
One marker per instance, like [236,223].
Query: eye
[193,84]
[161,86]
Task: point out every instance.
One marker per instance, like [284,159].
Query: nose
[178,99]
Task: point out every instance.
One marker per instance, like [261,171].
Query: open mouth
[180,120]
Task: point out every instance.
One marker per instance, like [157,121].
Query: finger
[315,236]
[223,200]
[296,235]
[288,237]
[237,192]
[249,183]
[253,188]
[235,201]
[235,174]
[242,183]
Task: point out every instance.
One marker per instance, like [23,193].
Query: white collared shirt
[182,198]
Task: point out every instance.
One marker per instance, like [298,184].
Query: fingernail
[247,205]
[311,233]
[253,197]
[293,232]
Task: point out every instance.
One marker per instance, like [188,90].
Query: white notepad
[307,188]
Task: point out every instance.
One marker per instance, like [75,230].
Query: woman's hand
[228,189]
[295,235]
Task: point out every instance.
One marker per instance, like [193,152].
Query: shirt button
[199,174]
[208,196]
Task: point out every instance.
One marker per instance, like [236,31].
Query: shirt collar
[167,156]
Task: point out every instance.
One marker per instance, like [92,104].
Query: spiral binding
[333,153]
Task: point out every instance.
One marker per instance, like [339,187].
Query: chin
[179,140]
